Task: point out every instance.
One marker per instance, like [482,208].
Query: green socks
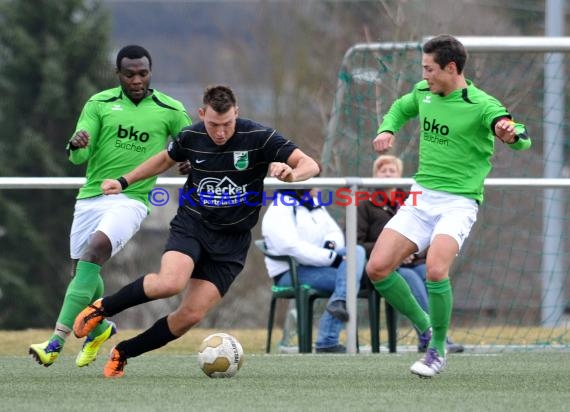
[84,288]
[398,294]
[440,298]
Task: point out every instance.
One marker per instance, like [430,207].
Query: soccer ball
[220,355]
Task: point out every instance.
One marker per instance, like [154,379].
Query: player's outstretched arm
[299,167]
[151,167]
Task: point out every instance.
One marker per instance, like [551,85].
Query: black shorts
[219,256]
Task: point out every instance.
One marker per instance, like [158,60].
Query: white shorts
[117,216]
[434,213]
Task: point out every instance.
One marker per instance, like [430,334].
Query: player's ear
[237,111]
[202,113]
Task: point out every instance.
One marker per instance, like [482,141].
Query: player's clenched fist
[505,130]
[282,171]
[383,142]
[80,139]
[111,186]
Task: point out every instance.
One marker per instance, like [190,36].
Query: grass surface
[170,380]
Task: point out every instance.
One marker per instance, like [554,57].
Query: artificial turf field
[170,380]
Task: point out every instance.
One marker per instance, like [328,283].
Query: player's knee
[171,288]
[436,273]
[437,270]
[376,271]
[92,255]
[167,284]
[98,250]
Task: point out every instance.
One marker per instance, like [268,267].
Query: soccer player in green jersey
[459,124]
[117,130]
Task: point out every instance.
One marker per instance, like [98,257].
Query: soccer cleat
[45,353]
[452,347]
[114,368]
[430,365]
[91,346]
[88,319]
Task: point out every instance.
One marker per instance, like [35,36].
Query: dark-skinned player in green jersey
[459,124]
[118,129]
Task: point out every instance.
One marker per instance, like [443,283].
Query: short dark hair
[133,52]
[220,98]
[446,49]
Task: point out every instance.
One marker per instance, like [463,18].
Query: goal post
[527,74]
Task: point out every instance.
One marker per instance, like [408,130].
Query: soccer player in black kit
[211,232]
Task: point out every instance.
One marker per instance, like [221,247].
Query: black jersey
[225,184]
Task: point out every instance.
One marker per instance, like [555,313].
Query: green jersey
[123,135]
[457,136]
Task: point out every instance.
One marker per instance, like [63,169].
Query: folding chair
[305,297]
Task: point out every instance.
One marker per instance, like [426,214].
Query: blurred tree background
[281,57]
[53,55]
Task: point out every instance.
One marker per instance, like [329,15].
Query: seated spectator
[371,220]
[296,225]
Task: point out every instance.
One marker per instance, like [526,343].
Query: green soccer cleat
[45,353]
[91,346]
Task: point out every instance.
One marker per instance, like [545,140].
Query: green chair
[305,297]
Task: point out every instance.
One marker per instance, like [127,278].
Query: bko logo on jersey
[132,134]
[434,127]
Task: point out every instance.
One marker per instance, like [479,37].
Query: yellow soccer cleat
[45,353]
[91,346]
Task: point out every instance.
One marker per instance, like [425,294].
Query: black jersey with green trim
[225,184]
